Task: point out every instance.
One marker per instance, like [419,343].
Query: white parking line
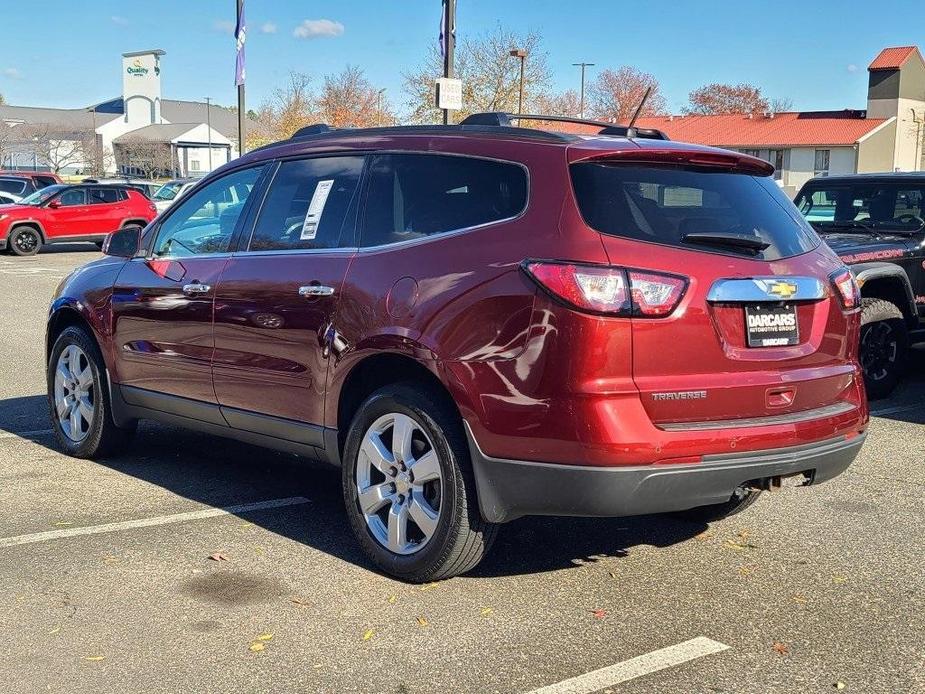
[635,667]
[149,522]
[25,434]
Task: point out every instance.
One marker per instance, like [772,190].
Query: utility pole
[582,101]
[449,44]
[209,126]
[379,106]
[522,54]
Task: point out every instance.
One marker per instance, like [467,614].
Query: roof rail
[314,129]
[501,119]
[322,130]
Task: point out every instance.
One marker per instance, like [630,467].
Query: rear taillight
[847,289]
[604,289]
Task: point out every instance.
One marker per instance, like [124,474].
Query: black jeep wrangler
[876,223]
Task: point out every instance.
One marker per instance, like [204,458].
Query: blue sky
[67,53]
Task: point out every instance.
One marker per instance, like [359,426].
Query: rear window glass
[412,196]
[665,204]
[894,206]
[11,185]
[102,196]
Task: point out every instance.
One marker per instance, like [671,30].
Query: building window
[194,165]
[752,152]
[776,159]
[821,167]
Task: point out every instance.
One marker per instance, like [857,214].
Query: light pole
[582,100]
[522,54]
[379,106]
[209,127]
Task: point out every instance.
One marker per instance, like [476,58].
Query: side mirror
[54,204]
[123,243]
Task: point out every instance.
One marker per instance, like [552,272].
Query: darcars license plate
[771,325]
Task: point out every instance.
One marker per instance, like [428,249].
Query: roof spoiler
[728,161]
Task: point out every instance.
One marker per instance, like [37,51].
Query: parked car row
[472,321]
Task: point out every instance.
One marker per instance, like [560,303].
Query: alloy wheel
[399,483]
[74,393]
[879,347]
[26,241]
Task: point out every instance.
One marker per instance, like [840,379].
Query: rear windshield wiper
[729,239]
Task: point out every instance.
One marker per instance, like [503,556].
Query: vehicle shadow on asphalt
[218,472]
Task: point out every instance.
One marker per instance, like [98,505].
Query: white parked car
[172,191]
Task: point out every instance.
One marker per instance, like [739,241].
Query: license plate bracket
[771,325]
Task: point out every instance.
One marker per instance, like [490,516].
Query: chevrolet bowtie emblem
[782,290]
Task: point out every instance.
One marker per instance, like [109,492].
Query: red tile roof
[892,58]
[792,129]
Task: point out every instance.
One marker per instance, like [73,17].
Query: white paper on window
[315,210]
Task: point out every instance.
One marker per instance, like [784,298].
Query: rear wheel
[24,241]
[78,398]
[741,500]
[884,342]
[408,486]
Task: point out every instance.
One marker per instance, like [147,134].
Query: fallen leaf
[739,546]
[838,578]
[259,550]
[368,634]
[613,574]
[705,535]
[318,666]
[265,636]
[800,599]
[430,586]
[745,570]
[109,558]
[840,685]
[600,614]
[486,611]
[218,556]
[391,599]
[95,658]
[55,630]
[257,646]
[422,621]
[781,648]
[299,601]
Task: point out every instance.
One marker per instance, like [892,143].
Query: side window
[308,205]
[103,196]
[204,222]
[74,196]
[416,195]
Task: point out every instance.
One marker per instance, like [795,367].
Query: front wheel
[409,488]
[78,398]
[884,342]
[24,241]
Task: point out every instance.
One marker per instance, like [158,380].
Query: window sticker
[315,210]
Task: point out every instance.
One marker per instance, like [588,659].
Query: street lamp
[522,54]
[582,102]
[379,106]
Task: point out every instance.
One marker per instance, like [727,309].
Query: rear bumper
[508,489]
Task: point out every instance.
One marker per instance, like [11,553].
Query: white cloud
[119,21]
[12,72]
[318,28]
[852,68]
[224,26]
[268,28]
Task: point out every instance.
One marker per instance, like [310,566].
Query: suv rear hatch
[762,329]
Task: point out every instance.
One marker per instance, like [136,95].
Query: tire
[459,537]
[24,241]
[884,345]
[741,500]
[95,434]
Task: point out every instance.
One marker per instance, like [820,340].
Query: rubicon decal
[872,255]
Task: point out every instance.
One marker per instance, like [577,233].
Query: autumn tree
[151,158]
[56,147]
[567,103]
[712,99]
[490,76]
[614,95]
[348,99]
[2,100]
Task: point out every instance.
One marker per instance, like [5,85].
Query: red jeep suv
[71,213]
[478,322]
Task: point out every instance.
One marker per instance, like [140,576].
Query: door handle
[196,288]
[316,290]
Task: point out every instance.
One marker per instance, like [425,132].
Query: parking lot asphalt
[810,590]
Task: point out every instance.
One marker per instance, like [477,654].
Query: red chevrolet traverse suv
[476,323]
[71,213]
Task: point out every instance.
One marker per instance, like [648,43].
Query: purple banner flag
[239,33]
